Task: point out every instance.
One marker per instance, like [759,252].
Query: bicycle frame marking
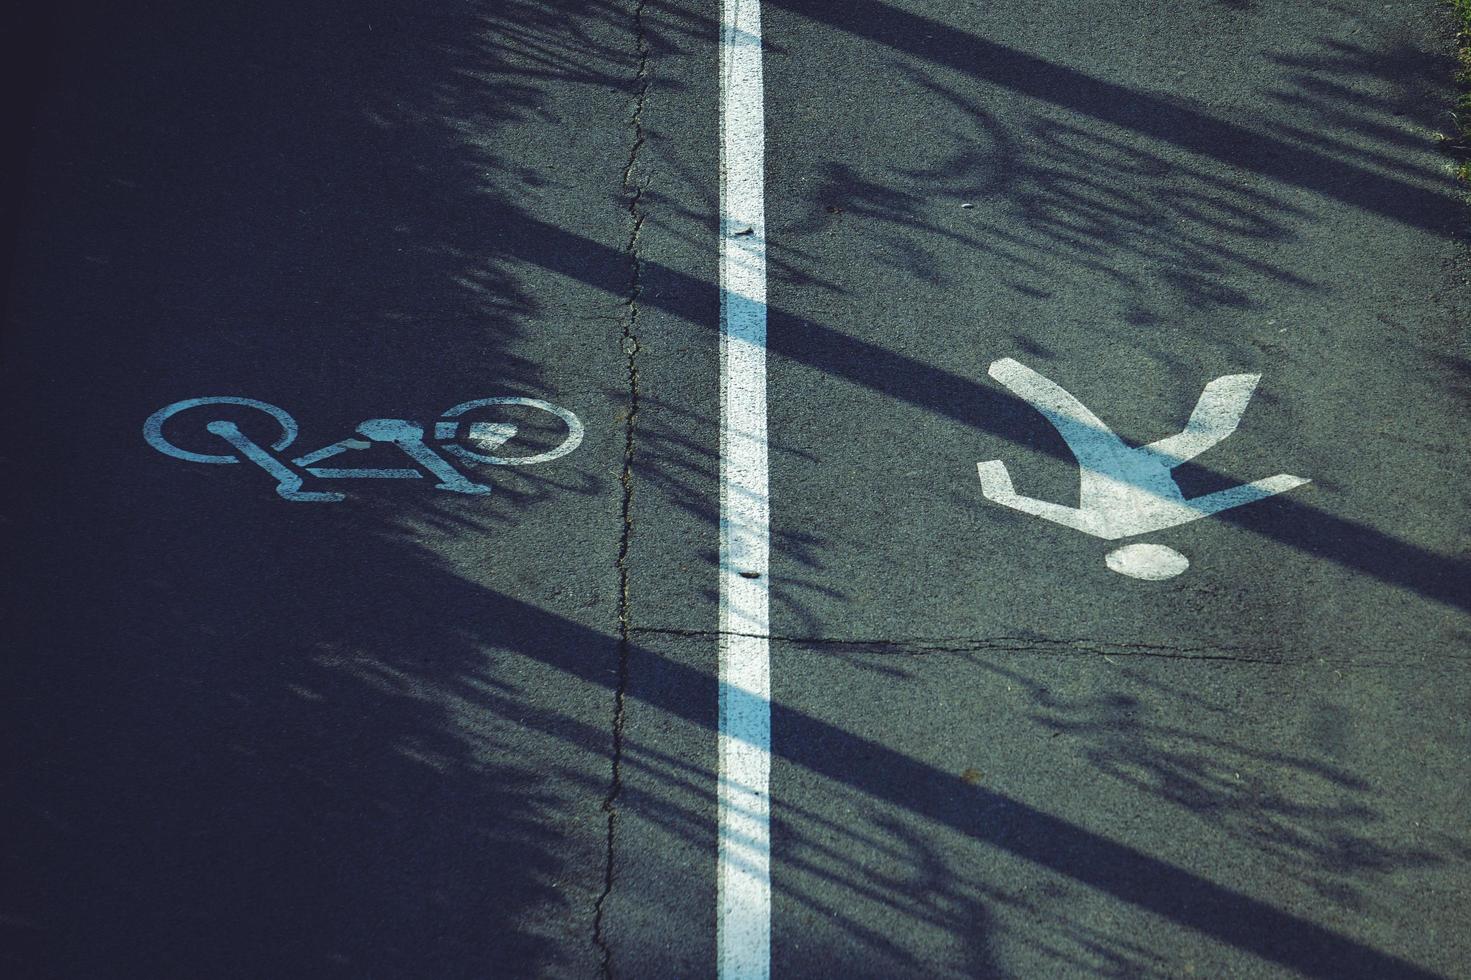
[405,435]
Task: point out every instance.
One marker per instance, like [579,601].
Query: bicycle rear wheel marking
[153,427]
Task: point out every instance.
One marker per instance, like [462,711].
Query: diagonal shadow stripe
[1148,115]
[981,407]
[993,818]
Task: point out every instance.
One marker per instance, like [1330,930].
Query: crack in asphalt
[920,646]
[634,193]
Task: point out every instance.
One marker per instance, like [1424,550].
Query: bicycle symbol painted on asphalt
[446,438]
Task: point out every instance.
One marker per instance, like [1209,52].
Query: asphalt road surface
[426,730]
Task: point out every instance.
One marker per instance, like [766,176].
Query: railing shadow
[1169,121]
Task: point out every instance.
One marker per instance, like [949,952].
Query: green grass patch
[1458,143]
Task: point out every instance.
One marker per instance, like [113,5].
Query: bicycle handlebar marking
[405,435]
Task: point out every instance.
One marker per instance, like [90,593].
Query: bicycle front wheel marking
[571,442]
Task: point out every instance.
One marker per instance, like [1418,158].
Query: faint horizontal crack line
[918,646]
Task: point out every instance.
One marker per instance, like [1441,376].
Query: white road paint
[1127,490]
[1151,562]
[743,930]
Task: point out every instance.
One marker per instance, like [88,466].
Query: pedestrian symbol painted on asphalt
[449,433]
[1129,490]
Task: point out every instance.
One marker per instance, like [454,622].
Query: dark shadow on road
[1169,121]
[266,741]
[990,410]
[244,738]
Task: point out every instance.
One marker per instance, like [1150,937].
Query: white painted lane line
[743,940]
